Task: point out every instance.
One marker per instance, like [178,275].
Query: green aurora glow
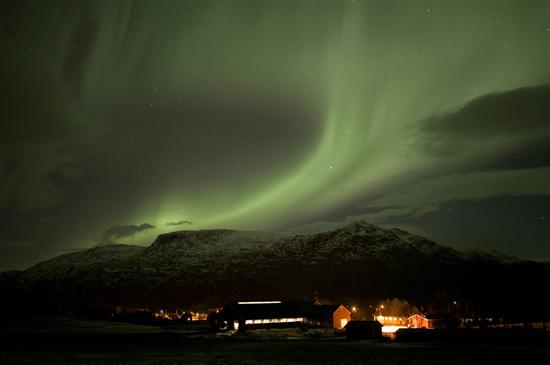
[265,116]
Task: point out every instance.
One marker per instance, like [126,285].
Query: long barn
[248,315]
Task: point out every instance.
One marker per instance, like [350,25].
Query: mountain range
[211,267]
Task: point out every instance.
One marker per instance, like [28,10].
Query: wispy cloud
[179,223]
[122,231]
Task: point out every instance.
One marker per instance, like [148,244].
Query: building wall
[359,330]
[340,317]
[418,321]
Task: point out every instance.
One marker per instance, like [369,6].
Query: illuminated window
[274,320]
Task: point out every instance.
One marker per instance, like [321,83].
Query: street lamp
[380,317]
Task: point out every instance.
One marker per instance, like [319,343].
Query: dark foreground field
[74,341]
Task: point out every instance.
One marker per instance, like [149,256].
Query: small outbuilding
[357,330]
[419,321]
[431,322]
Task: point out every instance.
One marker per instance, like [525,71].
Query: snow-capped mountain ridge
[215,266]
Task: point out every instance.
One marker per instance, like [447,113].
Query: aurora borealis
[122,120]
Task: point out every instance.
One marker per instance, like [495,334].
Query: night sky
[122,120]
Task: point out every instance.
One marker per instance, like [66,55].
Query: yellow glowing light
[390,329]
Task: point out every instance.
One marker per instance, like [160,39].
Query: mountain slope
[216,266]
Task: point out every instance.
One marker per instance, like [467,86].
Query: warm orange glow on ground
[391,329]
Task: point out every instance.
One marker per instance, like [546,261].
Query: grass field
[65,340]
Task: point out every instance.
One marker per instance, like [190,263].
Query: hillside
[212,267]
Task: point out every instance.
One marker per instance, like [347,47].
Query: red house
[423,321]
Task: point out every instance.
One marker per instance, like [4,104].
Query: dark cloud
[518,120]
[512,224]
[115,232]
[80,50]
[515,112]
[525,154]
[16,243]
[40,116]
[17,255]
[179,223]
